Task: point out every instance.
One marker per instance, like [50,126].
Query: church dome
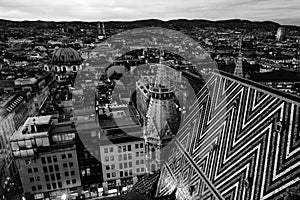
[66,56]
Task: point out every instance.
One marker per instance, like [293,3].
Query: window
[63,156]
[72,173]
[106,159]
[43,160]
[39,187]
[68,182]
[105,150]
[137,154]
[47,177]
[35,169]
[113,174]
[125,156]
[137,162]
[66,173]
[71,164]
[125,165]
[112,166]
[124,148]
[141,153]
[120,165]
[142,169]
[129,156]
[48,186]
[121,173]
[69,155]
[120,157]
[112,158]
[119,149]
[50,168]
[54,158]
[45,169]
[73,181]
[107,167]
[54,185]
[142,162]
[31,179]
[129,147]
[141,145]
[49,160]
[37,178]
[108,175]
[126,173]
[58,176]
[52,177]
[111,149]
[33,188]
[130,172]
[136,146]
[59,184]
[29,170]
[56,167]
[130,164]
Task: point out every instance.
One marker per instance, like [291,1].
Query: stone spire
[239,62]
[162,118]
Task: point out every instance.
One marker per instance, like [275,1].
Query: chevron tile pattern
[238,142]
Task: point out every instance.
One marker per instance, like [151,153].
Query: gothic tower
[162,119]
[101,34]
[239,62]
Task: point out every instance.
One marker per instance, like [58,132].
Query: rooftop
[33,127]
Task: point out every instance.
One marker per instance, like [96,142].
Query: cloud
[104,10]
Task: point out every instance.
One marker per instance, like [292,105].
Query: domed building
[66,60]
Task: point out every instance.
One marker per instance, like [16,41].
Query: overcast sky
[281,11]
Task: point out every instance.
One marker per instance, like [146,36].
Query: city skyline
[91,10]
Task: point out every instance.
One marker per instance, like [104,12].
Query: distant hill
[231,23]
